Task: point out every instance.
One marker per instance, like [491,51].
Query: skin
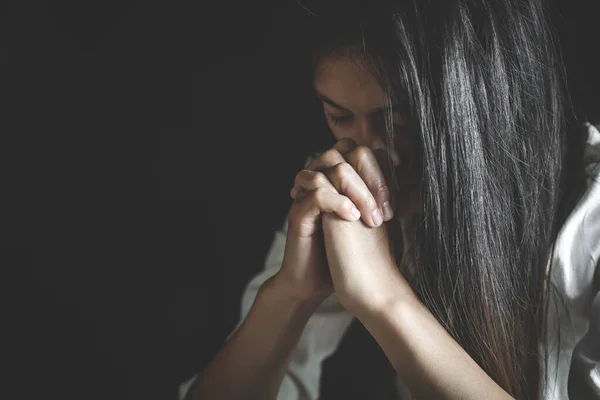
[337,241]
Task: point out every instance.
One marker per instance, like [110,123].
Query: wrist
[277,290]
[396,294]
[398,315]
[299,291]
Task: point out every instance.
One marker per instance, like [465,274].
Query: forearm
[429,361]
[253,362]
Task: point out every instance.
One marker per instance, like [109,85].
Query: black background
[147,150]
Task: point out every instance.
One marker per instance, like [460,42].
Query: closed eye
[341,119]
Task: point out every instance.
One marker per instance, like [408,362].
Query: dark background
[147,150]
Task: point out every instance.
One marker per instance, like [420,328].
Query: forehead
[348,82]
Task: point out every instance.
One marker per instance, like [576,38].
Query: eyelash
[344,119]
[340,120]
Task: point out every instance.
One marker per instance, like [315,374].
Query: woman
[452,218]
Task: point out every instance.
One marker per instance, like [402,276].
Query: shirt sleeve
[584,374]
[573,348]
[320,337]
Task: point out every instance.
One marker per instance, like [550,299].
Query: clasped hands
[337,237]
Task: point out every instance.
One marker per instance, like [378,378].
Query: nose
[367,136]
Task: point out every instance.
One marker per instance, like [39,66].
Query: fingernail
[293,192]
[388,213]
[377,219]
[355,212]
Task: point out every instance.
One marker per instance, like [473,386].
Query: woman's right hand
[363,192]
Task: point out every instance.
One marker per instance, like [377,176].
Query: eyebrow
[332,103]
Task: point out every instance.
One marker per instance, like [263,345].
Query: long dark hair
[487,100]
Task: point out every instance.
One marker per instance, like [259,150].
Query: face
[354,104]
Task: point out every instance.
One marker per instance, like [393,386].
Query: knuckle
[360,158]
[341,174]
[382,190]
[318,195]
[299,176]
[318,179]
[362,152]
[333,155]
[347,171]
[366,200]
[346,203]
[381,187]
[343,170]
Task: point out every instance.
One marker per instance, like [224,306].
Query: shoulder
[575,276]
[577,247]
[591,156]
[590,201]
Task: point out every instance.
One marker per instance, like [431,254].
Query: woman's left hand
[363,267]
